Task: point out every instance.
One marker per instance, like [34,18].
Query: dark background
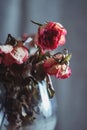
[71,94]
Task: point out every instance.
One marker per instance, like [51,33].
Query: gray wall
[71,93]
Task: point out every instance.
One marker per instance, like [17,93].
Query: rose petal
[6,49]
[64,73]
[20,54]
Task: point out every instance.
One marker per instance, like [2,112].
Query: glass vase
[27,106]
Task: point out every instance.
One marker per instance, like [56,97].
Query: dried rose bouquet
[21,70]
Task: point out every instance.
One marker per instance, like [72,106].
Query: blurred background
[71,94]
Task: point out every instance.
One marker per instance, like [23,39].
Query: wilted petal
[62,74]
[6,49]
[20,54]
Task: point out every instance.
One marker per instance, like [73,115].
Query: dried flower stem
[36,23]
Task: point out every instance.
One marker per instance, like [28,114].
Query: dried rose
[52,66]
[50,36]
[13,54]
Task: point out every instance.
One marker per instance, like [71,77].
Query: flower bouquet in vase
[26,67]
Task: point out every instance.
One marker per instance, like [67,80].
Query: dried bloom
[54,66]
[13,54]
[50,36]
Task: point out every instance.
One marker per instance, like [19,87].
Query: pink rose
[13,54]
[50,36]
[52,67]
